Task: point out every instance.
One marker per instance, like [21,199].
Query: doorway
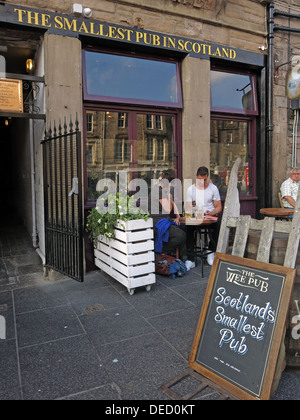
[18,257]
[15,200]
[4,168]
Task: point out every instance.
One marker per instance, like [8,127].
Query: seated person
[204,194]
[289,189]
[168,233]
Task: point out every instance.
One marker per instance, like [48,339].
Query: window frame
[120,100]
[132,131]
[252,128]
[90,121]
[122,120]
[235,111]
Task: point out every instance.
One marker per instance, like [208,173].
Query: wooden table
[277,212]
[196,222]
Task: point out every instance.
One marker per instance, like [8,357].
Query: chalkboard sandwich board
[242,325]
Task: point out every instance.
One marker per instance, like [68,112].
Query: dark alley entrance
[4,167]
[19,262]
[18,256]
[15,171]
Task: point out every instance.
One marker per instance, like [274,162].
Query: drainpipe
[270,89]
[33,201]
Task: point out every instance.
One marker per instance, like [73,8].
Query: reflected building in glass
[111,148]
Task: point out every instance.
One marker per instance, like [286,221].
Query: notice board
[242,325]
[11,95]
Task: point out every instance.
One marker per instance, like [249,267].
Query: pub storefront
[148,100]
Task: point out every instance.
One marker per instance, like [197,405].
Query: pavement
[93,341]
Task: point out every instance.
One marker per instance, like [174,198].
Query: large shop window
[229,140]
[125,134]
[141,145]
[126,79]
[233,129]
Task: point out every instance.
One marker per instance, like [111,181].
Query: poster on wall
[11,95]
[242,325]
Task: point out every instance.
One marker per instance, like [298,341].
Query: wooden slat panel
[231,208]
[241,236]
[266,238]
[280,226]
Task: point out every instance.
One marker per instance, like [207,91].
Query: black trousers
[213,230]
[177,239]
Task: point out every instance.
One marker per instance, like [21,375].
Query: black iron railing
[63,200]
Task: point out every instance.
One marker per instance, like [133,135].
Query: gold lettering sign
[70,24]
[11,95]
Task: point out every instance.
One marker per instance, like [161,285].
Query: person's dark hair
[202,171]
[167,175]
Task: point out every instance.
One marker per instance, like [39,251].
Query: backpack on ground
[166,265]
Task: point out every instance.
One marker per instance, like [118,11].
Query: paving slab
[60,368]
[93,341]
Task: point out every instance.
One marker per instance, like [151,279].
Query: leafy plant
[103,218]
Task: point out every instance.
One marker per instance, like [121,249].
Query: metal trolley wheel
[131,291]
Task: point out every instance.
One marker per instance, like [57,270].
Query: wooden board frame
[286,278]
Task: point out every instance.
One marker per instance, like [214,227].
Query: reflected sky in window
[232,91]
[132,78]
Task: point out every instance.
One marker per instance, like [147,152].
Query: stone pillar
[63,78]
[63,95]
[196,116]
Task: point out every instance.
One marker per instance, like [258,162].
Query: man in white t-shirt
[205,194]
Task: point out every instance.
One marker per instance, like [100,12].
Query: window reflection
[155,139]
[143,150]
[229,140]
[232,91]
[116,76]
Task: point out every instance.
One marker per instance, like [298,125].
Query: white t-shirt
[204,198]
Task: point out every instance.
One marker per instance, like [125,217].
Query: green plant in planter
[103,219]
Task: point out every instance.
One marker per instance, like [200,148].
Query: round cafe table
[277,212]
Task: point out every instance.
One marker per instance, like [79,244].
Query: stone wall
[240,23]
[287,53]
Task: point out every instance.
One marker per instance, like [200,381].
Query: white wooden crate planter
[129,257]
